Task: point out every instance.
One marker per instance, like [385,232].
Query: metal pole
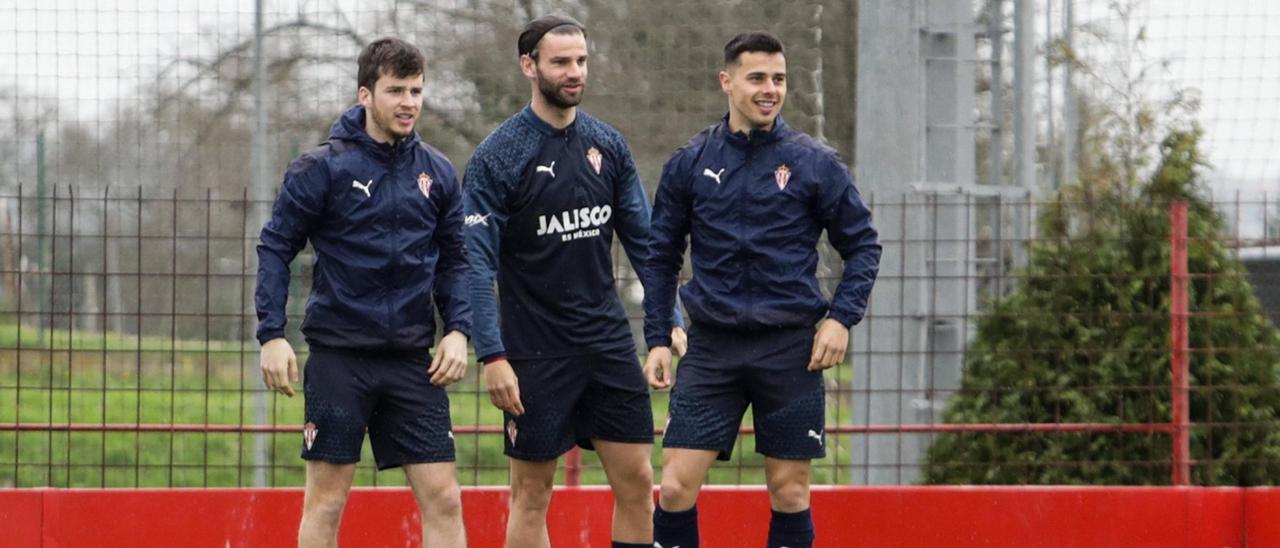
[995,34]
[1178,330]
[42,241]
[1024,123]
[261,192]
[1048,78]
[1070,122]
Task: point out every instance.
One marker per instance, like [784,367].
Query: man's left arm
[847,219]
[451,291]
[632,227]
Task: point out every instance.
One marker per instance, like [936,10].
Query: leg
[788,484]
[631,478]
[683,471]
[531,485]
[675,521]
[337,408]
[435,487]
[789,405]
[322,502]
[791,523]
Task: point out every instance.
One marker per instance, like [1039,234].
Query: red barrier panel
[730,517]
[21,518]
[1262,516]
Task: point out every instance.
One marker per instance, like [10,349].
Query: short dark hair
[391,56]
[531,36]
[760,41]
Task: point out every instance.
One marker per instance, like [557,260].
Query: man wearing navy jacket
[754,196]
[383,211]
[545,194]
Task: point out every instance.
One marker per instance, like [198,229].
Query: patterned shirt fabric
[542,207]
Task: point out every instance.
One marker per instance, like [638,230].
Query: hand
[679,341]
[657,367]
[450,362]
[504,387]
[829,345]
[279,366]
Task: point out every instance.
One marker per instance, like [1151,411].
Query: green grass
[91,379]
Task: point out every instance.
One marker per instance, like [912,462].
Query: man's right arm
[296,212]
[484,203]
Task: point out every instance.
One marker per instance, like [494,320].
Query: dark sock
[617,544]
[675,529]
[793,530]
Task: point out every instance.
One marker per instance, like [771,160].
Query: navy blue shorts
[576,399]
[725,371]
[391,395]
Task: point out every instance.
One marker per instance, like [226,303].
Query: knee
[636,487]
[789,495]
[530,494]
[444,499]
[676,493]
[324,510]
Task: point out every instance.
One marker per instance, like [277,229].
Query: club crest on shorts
[781,176]
[424,184]
[511,431]
[596,159]
[309,434]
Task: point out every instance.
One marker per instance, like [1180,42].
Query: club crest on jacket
[424,184]
[781,176]
[596,159]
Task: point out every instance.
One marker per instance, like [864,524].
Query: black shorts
[392,396]
[725,371]
[576,399]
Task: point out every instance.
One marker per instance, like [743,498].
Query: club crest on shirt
[596,159]
[781,176]
[424,184]
[511,431]
[309,434]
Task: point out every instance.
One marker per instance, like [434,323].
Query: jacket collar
[529,117]
[757,137]
[350,127]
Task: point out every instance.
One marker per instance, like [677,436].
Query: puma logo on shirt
[364,187]
[713,174]
[547,169]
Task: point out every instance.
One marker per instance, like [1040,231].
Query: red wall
[730,517]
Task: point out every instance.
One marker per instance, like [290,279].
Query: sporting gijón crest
[424,184]
[781,176]
[596,159]
[309,434]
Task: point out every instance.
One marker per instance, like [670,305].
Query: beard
[385,121]
[555,94]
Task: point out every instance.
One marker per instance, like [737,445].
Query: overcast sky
[89,55]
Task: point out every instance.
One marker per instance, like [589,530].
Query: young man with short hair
[545,194]
[753,195]
[383,211]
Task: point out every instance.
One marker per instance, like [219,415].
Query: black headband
[537,28]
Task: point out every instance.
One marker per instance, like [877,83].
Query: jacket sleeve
[294,216]
[452,293]
[849,228]
[632,225]
[484,203]
[668,231]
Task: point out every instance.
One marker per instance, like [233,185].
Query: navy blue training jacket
[386,224]
[542,207]
[753,208]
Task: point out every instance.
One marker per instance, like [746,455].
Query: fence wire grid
[138,159]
